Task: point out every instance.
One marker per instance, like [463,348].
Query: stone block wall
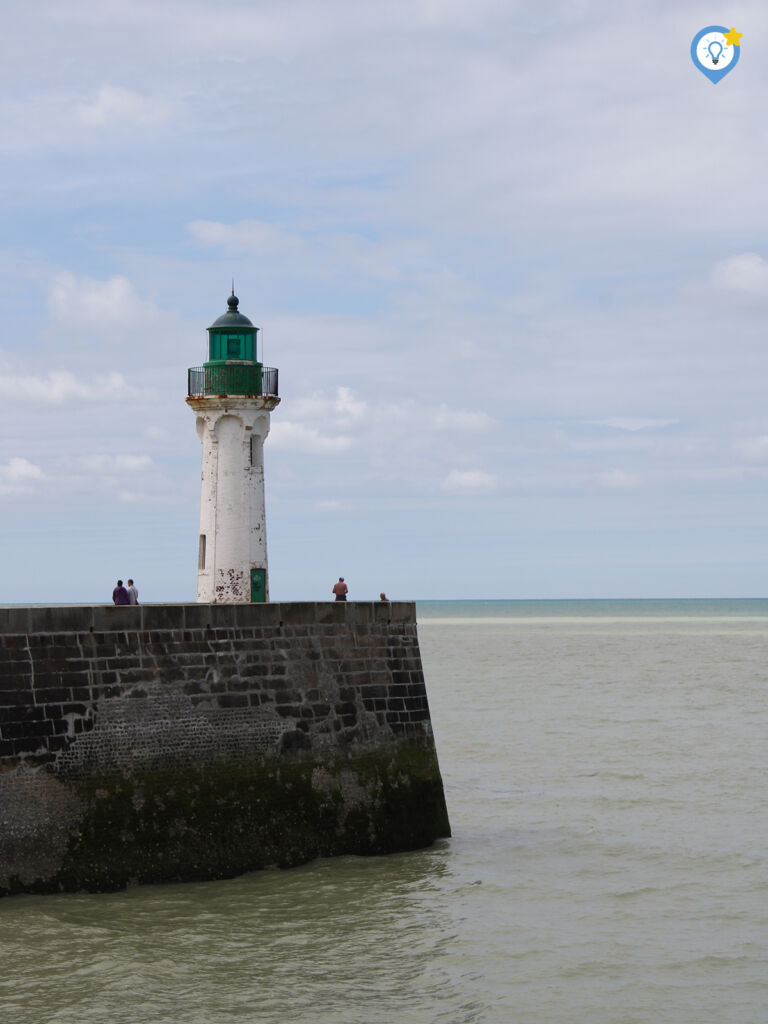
[166,742]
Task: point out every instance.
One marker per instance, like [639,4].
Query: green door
[258,586]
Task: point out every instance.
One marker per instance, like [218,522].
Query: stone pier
[177,742]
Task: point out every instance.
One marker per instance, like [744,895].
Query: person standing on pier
[341,589]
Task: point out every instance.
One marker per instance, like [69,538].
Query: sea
[604,765]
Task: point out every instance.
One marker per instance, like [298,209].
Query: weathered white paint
[232,513]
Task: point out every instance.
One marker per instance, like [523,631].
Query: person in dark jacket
[120,595]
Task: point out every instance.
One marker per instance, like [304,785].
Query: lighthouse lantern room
[232,395]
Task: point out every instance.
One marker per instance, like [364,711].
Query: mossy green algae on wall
[204,742]
[219,821]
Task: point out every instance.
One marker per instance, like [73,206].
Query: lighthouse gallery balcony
[232,379]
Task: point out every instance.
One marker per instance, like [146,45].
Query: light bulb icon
[715,50]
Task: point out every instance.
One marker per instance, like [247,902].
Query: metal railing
[232,379]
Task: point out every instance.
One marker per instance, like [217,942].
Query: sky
[510,258]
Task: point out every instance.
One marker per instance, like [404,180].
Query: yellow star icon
[733,38]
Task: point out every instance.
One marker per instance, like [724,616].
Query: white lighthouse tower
[232,395]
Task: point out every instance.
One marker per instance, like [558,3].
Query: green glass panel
[223,345]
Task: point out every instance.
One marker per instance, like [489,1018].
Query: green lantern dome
[232,337]
[233,317]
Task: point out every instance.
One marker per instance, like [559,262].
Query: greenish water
[660,608]
[605,767]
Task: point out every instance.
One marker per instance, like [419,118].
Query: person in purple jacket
[120,595]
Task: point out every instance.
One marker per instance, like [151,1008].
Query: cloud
[745,275]
[338,407]
[87,301]
[617,480]
[398,443]
[320,253]
[17,470]
[134,498]
[245,236]
[60,386]
[116,463]
[113,106]
[159,434]
[752,449]
[445,418]
[630,424]
[415,417]
[469,481]
[297,437]
[17,475]
[347,405]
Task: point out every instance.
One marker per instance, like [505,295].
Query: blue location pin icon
[713,54]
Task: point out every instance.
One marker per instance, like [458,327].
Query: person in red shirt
[341,589]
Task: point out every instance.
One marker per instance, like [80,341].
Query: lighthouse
[232,396]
